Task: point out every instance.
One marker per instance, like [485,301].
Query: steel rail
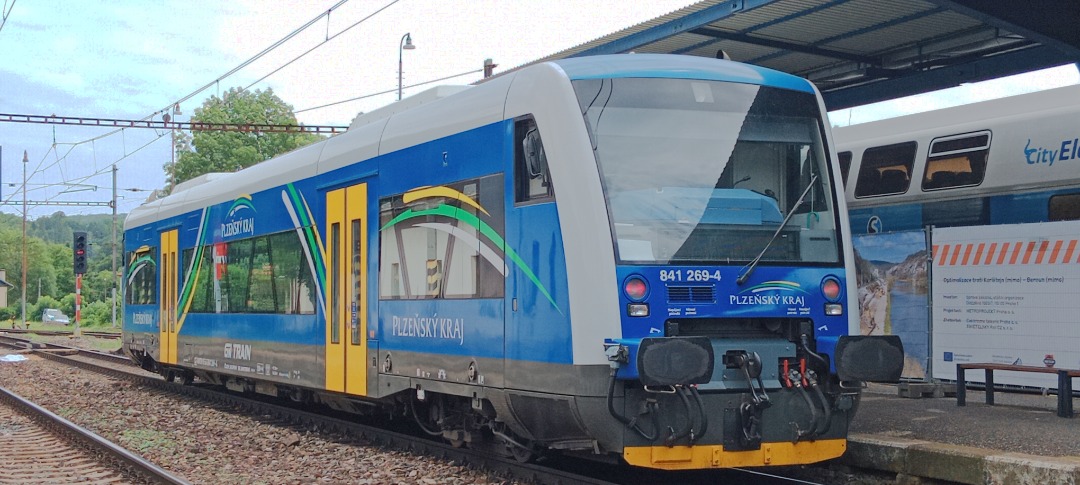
[16,342]
[129,461]
[381,437]
[54,333]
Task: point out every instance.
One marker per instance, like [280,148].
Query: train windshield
[708,171]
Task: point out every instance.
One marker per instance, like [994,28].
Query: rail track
[289,416]
[56,333]
[41,447]
[21,343]
[506,467]
[556,471]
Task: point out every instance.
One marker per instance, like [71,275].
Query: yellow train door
[346,300]
[167,296]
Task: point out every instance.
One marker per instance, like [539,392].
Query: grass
[142,440]
[99,344]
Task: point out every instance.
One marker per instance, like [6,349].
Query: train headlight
[637,309]
[831,290]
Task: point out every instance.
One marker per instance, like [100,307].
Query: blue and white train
[1006,161]
[963,215]
[637,256]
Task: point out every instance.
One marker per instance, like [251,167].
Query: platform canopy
[863,51]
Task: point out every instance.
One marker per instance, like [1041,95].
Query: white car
[52,315]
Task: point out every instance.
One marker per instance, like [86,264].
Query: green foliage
[99,314]
[40,270]
[67,305]
[97,286]
[220,151]
[49,260]
[7,313]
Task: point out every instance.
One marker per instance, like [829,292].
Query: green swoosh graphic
[192,276]
[240,202]
[486,230]
[144,259]
[315,250]
[775,285]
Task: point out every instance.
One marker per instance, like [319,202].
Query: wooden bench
[1064,392]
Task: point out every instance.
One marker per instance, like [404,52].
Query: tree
[222,151]
[41,272]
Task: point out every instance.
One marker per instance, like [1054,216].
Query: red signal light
[635,288]
[830,289]
[78,247]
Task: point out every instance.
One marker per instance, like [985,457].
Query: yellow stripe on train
[714,456]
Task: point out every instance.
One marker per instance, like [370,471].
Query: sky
[132,59]
[129,59]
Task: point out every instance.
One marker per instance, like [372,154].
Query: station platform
[1019,440]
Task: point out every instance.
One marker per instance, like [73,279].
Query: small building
[4,285]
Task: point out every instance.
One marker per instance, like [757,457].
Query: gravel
[204,444]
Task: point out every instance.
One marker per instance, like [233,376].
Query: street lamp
[406,43]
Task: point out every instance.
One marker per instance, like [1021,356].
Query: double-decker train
[635,256]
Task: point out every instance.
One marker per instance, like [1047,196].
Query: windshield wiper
[749,268]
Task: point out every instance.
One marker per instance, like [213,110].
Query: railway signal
[78,248]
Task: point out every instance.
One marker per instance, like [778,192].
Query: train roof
[944,120]
[1022,136]
[683,67]
[434,114]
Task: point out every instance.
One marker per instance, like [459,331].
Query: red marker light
[830,288]
[635,289]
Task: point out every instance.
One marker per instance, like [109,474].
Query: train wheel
[855,401]
[522,455]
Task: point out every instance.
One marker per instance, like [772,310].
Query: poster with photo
[893,293]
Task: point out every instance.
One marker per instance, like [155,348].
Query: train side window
[295,287]
[200,294]
[886,169]
[845,164]
[273,270]
[448,252]
[1064,207]
[956,161]
[142,277]
[532,180]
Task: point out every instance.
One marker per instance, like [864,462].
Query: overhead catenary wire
[39,168]
[232,71]
[320,44]
[6,13]
[394,90]
[257,56]
[102,171]
[295,32]
[262,53]
[79,180]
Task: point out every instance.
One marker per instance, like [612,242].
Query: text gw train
[638,256]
